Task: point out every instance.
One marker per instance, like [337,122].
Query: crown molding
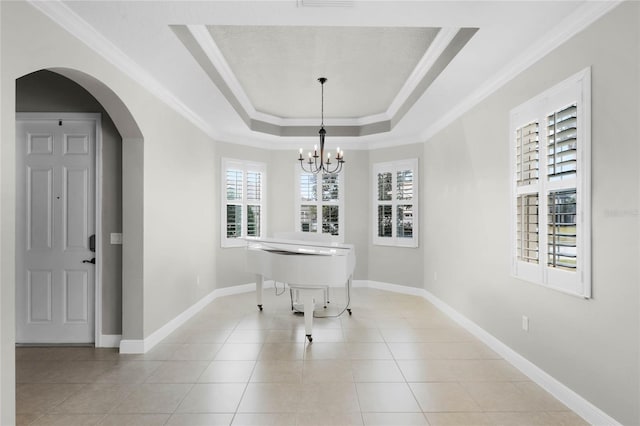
[584,16]
[71,22]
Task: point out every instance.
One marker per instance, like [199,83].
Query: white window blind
[320,203]
[243,201]
[395,203]
[234,184]
[551,213]
[527,228]
[527,145]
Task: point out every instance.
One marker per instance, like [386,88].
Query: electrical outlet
[525,323]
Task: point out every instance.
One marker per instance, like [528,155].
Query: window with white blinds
[551,189]
[395,201]
[320,203]
[243,201]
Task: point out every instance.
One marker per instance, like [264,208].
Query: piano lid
[299,247]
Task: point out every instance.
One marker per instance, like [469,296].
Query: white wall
[589,345]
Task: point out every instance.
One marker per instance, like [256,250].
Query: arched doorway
[132,225]
[43,99]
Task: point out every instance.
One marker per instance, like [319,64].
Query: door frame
[96,118]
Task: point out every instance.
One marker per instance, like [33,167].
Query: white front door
[55,222]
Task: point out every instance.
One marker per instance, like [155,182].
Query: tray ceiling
[245,71]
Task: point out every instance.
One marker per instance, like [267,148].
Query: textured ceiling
[277,67]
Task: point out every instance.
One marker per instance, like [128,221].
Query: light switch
[116,238]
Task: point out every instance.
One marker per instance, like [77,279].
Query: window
[320,206]
[395,201]
[550,159]
[243,201]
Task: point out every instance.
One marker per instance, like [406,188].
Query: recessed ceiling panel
[277,66]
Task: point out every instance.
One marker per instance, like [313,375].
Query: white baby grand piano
[306,266]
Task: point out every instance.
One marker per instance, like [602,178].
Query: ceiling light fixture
[312,165]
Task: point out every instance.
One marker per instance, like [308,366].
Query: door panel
[56,216]
[39,208]
[40,144]
[76,209]
[76,293]
[39,296]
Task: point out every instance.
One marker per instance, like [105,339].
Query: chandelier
[316,163]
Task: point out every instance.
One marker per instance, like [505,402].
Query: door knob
[90,261]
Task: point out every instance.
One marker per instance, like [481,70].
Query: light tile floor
[396,361]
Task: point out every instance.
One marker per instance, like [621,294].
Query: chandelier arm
[336,169]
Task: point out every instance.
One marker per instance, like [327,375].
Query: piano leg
[307,297]
[349,295]
[259,282]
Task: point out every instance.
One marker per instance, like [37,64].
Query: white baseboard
[110,340]
[128,346]
[571,399]
[403,289]
[142,346]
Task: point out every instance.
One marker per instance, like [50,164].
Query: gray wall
[230,260]
[397,265]
[281,174]
[133,238]
[45,91]
[589,345]
[391,264]
[357,200]
[282,200]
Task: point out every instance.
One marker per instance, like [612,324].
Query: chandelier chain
[312,165]
[321,103]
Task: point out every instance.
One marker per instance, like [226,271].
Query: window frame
[394,167]
[319,203]
[245,166]
[574,90]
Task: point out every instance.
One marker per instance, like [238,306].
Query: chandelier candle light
[312,165]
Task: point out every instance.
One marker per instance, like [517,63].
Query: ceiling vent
[325,3]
